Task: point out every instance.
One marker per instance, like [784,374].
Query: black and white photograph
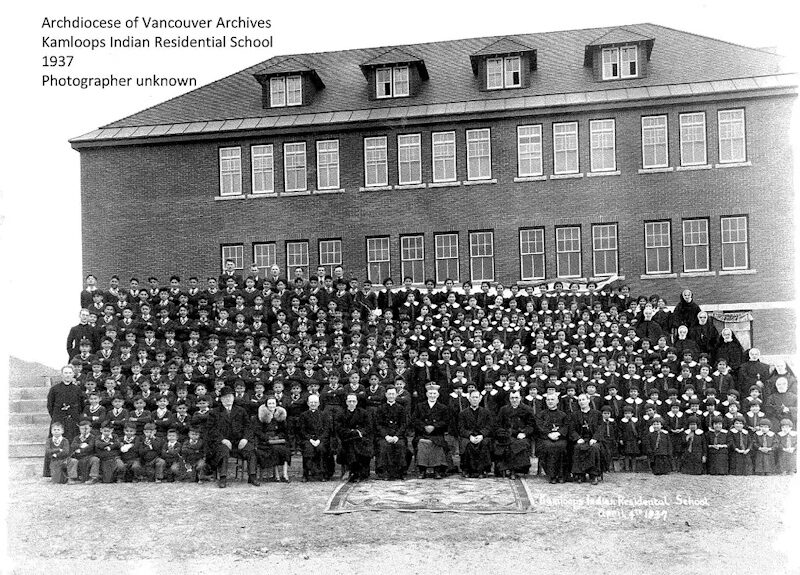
[400,288]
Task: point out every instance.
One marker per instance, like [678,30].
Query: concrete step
[32,381]
[31,392]
[28,406]
[39,418]
[27,433]
[26,450]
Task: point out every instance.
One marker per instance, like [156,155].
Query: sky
[40,190]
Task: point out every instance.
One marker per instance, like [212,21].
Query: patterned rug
[453,494]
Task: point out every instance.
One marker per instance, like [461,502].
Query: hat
[766,422]
[226,390]
[734,392]
[149,425]
[431,386]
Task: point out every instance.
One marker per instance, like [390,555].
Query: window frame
[322,250]
[287,167]
[237,256]
[443,159]
[437,258]
[505,69]
[385,163]
[234,173]
[403,260]
[370,262]
[257,257]
[328,167]
[720,123]
[746,242]
[473,257]
[392,82]
[698,245]
[283,82]
[685,130]
[533,255]
[565,137]
[600,133]
[657,145]
[615,54]
[668,224]
[530,156]
[291,267]
[471,158]
[415,148]
[596,250]
[559,251]
[256,171]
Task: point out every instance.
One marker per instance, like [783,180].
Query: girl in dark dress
[717,447]
[740,460]
[694,448]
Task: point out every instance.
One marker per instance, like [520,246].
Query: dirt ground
[636,523]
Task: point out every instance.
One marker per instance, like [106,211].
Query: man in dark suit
[229,434]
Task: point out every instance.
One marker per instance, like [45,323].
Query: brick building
[644,151]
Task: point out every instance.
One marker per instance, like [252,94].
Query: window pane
[446,256]
[481,247]
[264,255]
[330,254]
[695,245]
[529,151]
[230,171]
[383,83]
[654,142]
[294,91]
[444,156]
[657,247]
[409,159]
[294,166]
[479,155]
[512,72]
[565,148]
[693,139]
[603,145]
[628,63]
[277,92]
[494,73]
[734,243]
[297,257]
[605,251]
[378,259]
[401,81]
[263,169]
[235,253]
[610,63]
[568,252]
[531,249]
[731,136]
[412,257]
[375,161]
[328,164]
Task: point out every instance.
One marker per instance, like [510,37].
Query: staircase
[28,418]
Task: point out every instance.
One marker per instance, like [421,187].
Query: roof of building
[680,64]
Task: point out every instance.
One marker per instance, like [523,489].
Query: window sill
[410,186]
[452,184]
[693,168]
[734,165]
[226,198]
[566,176]
[297,193]
[599,279]
[530,179]
[479,182]
[737,272]
[658,276]
[374,188]
[258,196]
[698,274]
[656,170]
[601,174]
[328,191]
[569,279]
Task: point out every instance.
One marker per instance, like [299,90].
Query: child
[717,447]
[83,462]
[139,416]
[193,454]
[694,448]
[94,413]
[129,453]
[150,451]
[171,454]
[107,449]
[787,448]
[635,402]
[658,447]
[764,441]
[628,435]
[614,401]
[740,461]
[676,425]
[57,453]
[610,449]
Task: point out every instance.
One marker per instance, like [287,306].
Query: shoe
[483,475]
[553,480]
[438,475]
[304,479]
[284,480]
[595,481]
[73,481]
[159,480]
[513,476]
[223,482]
[92,481]
[253,480]
[421,475]
[560,480]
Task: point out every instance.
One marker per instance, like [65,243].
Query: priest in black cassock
[553,425]
[515,430]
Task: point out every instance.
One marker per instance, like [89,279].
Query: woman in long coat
[271,435]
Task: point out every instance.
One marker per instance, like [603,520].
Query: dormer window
[503,73]
[391,82]
[620,62]
[285,91]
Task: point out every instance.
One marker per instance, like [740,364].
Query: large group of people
[170,382]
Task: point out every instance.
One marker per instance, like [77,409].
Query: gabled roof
[503,46]
[617,36]
[560,72]
[393,57]
[290,65]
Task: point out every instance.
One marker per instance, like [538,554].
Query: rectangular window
[444,156]
[277,92]
[565,148]
[294,167]
[294,91]
[620,62]
[233,252]
[285,91]
[734,243]
[446,257]
[503,73]
[375,168]
[328,165]
[605,250]
[378,261]
[264,254]
[481,256]
[654,142]
[657,247]
[479,155]
[263,169]
[391,82]
[695,245]
[296,257]
[330,255]
[604,157]
[568,252]
[531,253]
[409,159]
[412,258]
[529,151]
[230,171]
[732,146]
[693,139]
